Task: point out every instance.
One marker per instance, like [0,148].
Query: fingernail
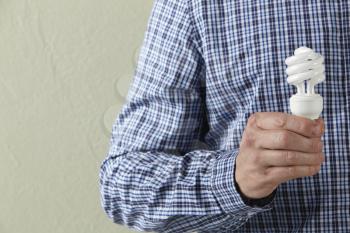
[252,119]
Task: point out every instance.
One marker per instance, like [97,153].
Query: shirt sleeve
[153,178]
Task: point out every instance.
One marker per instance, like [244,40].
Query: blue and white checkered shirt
[204,68]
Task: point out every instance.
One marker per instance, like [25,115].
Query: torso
[244,60]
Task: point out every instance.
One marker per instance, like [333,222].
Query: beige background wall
[65,67]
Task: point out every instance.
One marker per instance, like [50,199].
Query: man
[214,71]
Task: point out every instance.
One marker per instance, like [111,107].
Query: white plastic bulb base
[306,106]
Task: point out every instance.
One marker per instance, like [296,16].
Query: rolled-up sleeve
[153,178]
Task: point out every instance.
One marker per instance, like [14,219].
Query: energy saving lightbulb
[305,70]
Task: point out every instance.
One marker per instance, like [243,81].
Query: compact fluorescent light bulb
[305,70]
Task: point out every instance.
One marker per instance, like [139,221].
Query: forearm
[160,192]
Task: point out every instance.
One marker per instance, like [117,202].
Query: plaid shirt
[204,67]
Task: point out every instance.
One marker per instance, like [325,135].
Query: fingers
[282,158]
[286,140]
[277,147]
[282,174]
[297,124]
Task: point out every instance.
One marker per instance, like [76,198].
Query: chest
[245,44]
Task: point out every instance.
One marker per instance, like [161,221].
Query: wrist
[254,202]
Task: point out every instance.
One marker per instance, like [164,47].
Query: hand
[277,147]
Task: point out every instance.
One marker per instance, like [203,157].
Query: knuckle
[269,177]
[252,118]
[302,126]
[282,138]
[290,157]
[267,172]
[292,171]
[256,157]
[249,138]
[281,120]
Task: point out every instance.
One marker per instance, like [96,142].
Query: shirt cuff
[225,191]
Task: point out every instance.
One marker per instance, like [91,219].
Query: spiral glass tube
[305,68]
